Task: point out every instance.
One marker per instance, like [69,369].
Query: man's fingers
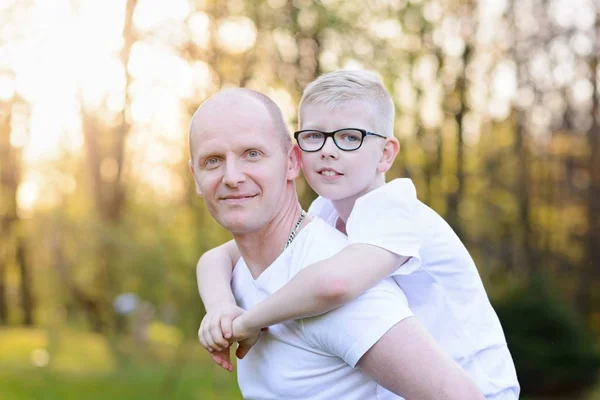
[216,357]
[241,351]
[223,358]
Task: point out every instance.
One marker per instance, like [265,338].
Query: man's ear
[293,163]
[198,191]
[390,151]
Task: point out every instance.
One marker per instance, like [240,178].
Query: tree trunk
[591,273]
[523,195]
[455,197]
[109,196]
[8,207]
[27,302]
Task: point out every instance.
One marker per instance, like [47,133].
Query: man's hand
[216,329]
[223,358]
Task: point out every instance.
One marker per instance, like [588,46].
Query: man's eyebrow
[202,156]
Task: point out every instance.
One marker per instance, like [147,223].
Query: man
[244,167]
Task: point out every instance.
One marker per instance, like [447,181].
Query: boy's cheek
[305,162]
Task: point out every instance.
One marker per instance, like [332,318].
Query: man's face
[240,165]
[333,173]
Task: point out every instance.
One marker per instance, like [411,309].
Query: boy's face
[337,174]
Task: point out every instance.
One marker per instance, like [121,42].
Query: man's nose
[233,174]
[329,150]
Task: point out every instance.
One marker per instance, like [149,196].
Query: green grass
[82,366]
[189,382]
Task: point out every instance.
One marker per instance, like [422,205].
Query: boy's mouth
[328,172]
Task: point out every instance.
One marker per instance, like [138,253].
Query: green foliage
[553,351]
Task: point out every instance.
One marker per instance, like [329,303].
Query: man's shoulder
[317,241]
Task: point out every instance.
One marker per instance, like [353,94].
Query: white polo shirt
[314,358]
[440,280]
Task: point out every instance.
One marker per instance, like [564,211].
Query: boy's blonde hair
[336,89]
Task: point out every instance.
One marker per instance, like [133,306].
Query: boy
[346,137]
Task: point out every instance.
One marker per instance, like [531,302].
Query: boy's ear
[293,163]
[198,191]
[390,151]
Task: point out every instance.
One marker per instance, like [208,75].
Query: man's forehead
[227,115]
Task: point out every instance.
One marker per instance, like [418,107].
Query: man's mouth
[238,197]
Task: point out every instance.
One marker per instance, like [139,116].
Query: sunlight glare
[504,84]
[7,88]
[199,24]
[27,196]
[152,14]
[236,35]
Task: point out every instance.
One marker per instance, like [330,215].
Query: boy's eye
[312,136]
[348,136]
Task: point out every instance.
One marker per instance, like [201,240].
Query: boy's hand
[245,337]
[216,328]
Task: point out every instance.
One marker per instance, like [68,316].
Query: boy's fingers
[204,335]
[226,326]
[217,338]
[201,339]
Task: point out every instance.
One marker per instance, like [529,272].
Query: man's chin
[238,227]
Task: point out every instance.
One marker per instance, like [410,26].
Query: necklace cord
[295,230]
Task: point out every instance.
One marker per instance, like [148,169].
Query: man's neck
[259,249]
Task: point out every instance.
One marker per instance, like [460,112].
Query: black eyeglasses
[347,139]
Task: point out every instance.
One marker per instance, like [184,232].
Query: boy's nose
[329,150]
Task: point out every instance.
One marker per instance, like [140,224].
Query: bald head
[238,99]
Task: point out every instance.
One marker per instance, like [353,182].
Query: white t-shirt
[314,358]
[440,280]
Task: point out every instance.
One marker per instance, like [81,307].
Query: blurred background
[498,118]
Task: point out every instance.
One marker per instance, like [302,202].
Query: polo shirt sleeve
[352,329]
[387,217]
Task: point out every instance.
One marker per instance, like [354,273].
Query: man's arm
[408,362]
[323,286]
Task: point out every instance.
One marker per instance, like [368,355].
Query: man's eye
[253,154]
[211,162]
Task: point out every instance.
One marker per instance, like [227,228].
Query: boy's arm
[213,273]
[322,286]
